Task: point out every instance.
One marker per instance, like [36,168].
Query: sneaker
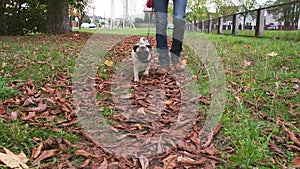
[163,70]
[177,63]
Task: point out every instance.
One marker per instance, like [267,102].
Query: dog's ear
[135,47]
[149,46]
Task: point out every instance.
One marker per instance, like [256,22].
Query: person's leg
[179,12]
[161,16]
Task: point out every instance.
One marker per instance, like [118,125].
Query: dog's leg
[136,74]
[146,73]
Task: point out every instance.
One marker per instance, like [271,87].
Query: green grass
[40,58]
[20,136]
[242,125]
[5,90]
[274,34]
[120,31]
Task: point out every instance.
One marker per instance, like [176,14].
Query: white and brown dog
[141,56]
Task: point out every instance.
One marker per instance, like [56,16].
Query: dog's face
[143,51]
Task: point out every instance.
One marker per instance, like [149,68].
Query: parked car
[92,25]
[271,27]
[88,25]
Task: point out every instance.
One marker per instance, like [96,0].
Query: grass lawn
[274,34]
[260,124]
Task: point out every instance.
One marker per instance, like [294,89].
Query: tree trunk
[59,21]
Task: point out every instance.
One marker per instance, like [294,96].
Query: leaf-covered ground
[38,115]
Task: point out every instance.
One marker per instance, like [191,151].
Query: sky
[103,7]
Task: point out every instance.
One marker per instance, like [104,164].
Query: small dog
[141,56]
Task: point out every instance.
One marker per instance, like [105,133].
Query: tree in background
[223,7]
[197,11]
[288,14]
[245,6]
[18,17]
[77,8]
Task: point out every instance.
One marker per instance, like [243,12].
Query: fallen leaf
[41,107]
[108,63]
[37,151]
[296,162]
[29,116]
[296,88]
[170,162]
[292,136]
[274,147]
[28,102]
[272,54]
[4,64]
[169,102]
[209,150]
[144,162]
[246,63]
[85,163]
[204,101]
[83,153]
[44,155]
[14,115]
[104,164]
[13,161]
[141,111]
[190,161]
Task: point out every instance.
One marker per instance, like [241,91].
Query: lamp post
[93,14]
[112,15]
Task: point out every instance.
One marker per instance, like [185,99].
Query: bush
[19,17]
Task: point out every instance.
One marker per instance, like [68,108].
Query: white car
[85,25]
[92,25]
[88,25]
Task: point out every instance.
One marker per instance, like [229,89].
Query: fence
[277,17]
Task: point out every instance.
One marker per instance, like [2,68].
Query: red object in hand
[149,3]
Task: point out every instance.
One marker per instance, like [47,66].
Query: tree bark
[59,20]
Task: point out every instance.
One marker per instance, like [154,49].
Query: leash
[149,23]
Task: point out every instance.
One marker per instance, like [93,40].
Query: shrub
[19,17]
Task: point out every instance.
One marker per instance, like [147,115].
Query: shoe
[163,70]
[178,64]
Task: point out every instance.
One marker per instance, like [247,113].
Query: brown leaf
[292,136]
[292,147]
[28,102]
[204,101]
[206,137]
[170,162]
[209,150]
[41,107]
[14,115]
[104,164]
[69,143]
[189,161]
[29,116]
[44,155]
[85,163]
[144,162]
[274,147]
[169,101]
[62,147]
[36,151]
[296,162]
[83,153]
[246,63]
